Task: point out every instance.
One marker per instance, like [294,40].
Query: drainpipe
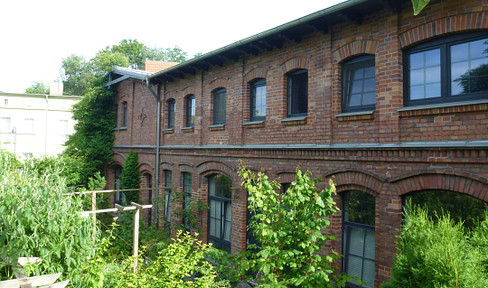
[46,124]
[158,136]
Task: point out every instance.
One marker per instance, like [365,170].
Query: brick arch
[169,94]
[365,181]
[354,48]
[118,159]
[146,168]
[189,90]
[209,167]
[294,63]
[286,177]
[167,166]
[460,182]
[257,72]
[217,83]
[451,24]
[186,168]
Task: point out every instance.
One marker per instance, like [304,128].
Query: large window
[171,113]
[186,199]
[219,106]
[359,237]
[449,69]
[148,180]
[167,197]
[124,115]
[297,93]
[190,111]
[358,84]
[118,196]
[220,212]
[258,100]
[5,125]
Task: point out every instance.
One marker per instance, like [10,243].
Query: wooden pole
[94,215]
[135,244]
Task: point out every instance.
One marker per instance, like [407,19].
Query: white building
[35,125]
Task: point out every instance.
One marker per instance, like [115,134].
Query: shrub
[131,177]
[39,221]
[439,253]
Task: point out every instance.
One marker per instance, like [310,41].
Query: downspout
[158,136]
[46,124]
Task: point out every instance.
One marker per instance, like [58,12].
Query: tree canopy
[37,88]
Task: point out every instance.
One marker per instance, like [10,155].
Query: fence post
[135,244]
[94,215]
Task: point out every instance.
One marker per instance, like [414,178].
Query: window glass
[190,111]
[220,100]
[469,67]
[425,74]
[220,211]
[187,182]
[28,126]
[358,84]
[297,100]
[167,196]
[124,115]
[5,125]
[171,113]
[359,236]
[258,100]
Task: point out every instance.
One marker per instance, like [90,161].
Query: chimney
[156,66]
[56,89]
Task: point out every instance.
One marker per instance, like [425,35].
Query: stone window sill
[355,116]
[216,127]
[187,129]
[254,124]
[294,121]
[444,108]
[169,131]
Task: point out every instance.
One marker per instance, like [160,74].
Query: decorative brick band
[355,47]
[445,110]
[451,24]
[294,63]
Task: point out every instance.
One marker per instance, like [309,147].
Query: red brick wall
[383,165]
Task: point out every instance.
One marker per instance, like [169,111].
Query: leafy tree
[134,50]
[37,88]
[104,61]
[92,142]
[77,75]
[131,177]
[290,228]
[166,54]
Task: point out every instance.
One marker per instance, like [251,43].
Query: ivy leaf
[418,5]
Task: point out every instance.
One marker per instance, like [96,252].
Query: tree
[76,75]
[131,177]
[105,60]
[92,142]
[166,54]
[134,50]
[37,88]
[290,228]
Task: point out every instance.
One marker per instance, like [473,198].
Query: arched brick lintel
[118,159]
[218,83]
[210,167]
[465,183]
[356,47]
[146,168]
[254,74]
[451,24]
[346,180]
[294,63]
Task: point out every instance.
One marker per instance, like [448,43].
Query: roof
[120,73]
[156,66]
[351,11]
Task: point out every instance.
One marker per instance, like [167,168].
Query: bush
[39,221]
[131,177]
[439,253]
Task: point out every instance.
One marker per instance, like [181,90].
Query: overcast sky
[35,35]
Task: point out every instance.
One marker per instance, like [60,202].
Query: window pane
[433,57]
[459,52]
[433,74]
[417,77]
[369,249]
[354,266]
[433,90]
[360,208]
[469,71]
[369,72]
[360,90]
[359,74]
[368,85]
[368,272]
[219,106]
[369,99]
[355,100]
[298,93]
[417,92]
[258,99]
[356,243]
[478,48]
[416,60]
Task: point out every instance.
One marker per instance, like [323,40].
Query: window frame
[217,94]
[253,85]
[225,203]
[444,45]
[116,115]
[124,115]
[291,78]
[171,113]
[168,175]
[190,111]
[351,65]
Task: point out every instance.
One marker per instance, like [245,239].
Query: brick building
[387,103]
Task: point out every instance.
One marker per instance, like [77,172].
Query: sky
[36,35]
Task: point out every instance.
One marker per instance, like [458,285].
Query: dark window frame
[124,114]
[219,241]
[190,110]
[444,45]
[171,113]
[219,98]
[186,179]
[346,234]
[297,100]
[350,66]
[257,83]
[168,178]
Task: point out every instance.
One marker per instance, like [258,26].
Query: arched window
[359,236]
[297,93]
[220,212]
[117,195]
[358,84]
[258,100]
[124,115]
[148,184]
[219,106]
[168,175]
[187,184]
[190,111]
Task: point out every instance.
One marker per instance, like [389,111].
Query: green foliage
[91,144]
[180,264]
[439,253]
[37,88]
[290,228]
[131,177]
[77,75]
[133,50]
[39,221]
[166,54]
[105,60]
[418,5]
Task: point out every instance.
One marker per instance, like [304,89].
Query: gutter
[158,139]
